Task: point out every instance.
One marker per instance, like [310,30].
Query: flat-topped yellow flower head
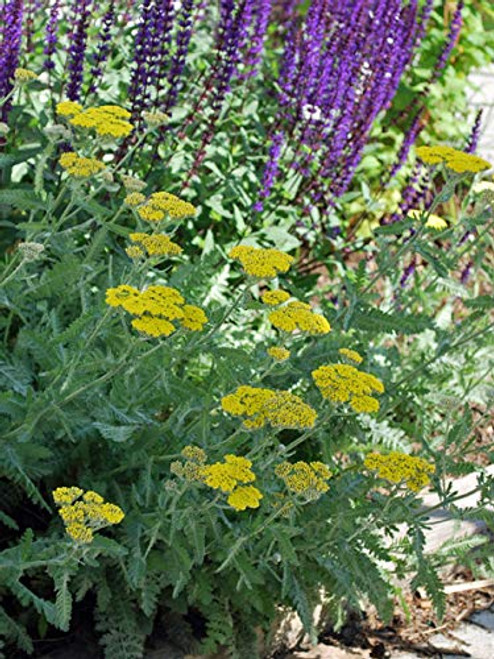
[281,409]
[80,167]
[105,120]
[299,316]
[261,263]
[397,467]
[458,161]
[342,383]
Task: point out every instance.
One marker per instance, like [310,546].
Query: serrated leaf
[480,302]
[63,602]
[24,199]
[115,433]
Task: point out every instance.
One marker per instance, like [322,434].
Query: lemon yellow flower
[299,316]
[458,161]
[433,221]
[273,298]
[82,518]
[307,479]
[80,167]
[157,244]
[259,262]
[281,409]
[342,383]
[157,306]
[278,353]
[106,120]
[397,467]
[68,108]
[353,355]
[134,199]
[244,497]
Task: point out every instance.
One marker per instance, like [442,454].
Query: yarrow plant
[207,419]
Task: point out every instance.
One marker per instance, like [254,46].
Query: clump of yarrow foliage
[198,432]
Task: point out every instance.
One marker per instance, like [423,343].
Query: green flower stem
[379,515]
[194,345]
[453,346]
[83,353]
[8,277]
[406,247]
[426,510]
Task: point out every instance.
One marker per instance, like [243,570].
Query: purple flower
[473,140]
[12,15]
[51,35]
[185,26]
[466,272]
[103,48]
[261,14]
[77,49]
[271,168]
[408,272]
[409,140]
[341,67]
[454,31]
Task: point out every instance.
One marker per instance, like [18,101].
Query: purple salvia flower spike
[177,66]
[473,140]
[77,49]
[103,46]
[13,13]
[51,35]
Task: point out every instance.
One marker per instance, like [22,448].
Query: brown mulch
[366,636]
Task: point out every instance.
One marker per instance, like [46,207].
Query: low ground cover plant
[202,428]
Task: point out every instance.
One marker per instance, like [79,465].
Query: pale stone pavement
[482,96]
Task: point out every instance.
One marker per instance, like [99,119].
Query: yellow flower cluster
[228,476]
[281,409]
[397,467]
[433,221]
[24,75]
[161,204]
[105,120]
[259,262]
[352,355]
[134,199]
[278,353]
[192,470]
[82,518]
[299,316]
[343,383]
[156,308]
[68,108]
[458,161]
[79,166]
[308,479]
[157,245]
[273,298]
